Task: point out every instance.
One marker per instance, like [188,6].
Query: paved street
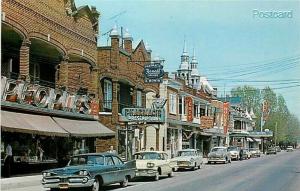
[272,172]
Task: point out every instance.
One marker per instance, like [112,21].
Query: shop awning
[257,140]
[83,128]
[29,123]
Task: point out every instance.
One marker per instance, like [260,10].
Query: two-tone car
[152,164]
[92,171]
[234,152]
[255,152]
[219,154]
[188,159]
[271,150]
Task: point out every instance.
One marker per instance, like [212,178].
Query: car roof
[150,152]
[97,154]
[220,147]
[188,150]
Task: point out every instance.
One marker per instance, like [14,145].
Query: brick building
[120,70]
[49,78]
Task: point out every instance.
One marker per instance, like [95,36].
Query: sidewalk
[20,182]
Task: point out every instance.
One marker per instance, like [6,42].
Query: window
[117,161]
[107,90]
[180,105]
[172,103]
[139,98]
[109,161]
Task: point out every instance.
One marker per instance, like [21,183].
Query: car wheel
[125,182]
[194,167]
[156,177]
[200,165]
[96,185]
[170,174]
[208,162]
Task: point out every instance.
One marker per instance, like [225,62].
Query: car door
[110,173]
[167,165]
[120,169]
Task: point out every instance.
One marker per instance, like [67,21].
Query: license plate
[63,186]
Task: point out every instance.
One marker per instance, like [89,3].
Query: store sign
[207,122]
[143,115]
[153,73]
[44,97]
[225,117]
[189,107]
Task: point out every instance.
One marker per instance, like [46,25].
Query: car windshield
[218,149]
[186,153]
[86,160]
[253,149]
[232,149]
[147,156]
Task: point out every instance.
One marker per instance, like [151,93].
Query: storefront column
[24,60]
[179,139]
[206,110]
[157,137]
[183,105]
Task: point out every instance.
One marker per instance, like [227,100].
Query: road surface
[279,172]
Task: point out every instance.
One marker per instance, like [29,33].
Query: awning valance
[249,139]
[81,128]
[29,123]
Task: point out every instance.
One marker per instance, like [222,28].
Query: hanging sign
[189,104]
[153,73]
[143,115]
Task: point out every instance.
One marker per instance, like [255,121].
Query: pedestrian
[41,151]
[8,161]
[241,154]
[111,150]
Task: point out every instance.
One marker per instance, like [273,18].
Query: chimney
[148,49]
[114,35]
[127,42]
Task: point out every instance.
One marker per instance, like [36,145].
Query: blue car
[91,171]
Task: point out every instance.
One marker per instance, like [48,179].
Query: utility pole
[275,133]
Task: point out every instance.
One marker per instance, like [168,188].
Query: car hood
[234,152]
[70,170]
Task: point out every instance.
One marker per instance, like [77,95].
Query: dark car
[90,171]
[271,150]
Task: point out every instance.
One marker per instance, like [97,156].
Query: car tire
[96,185]
[208,162]
[200,165]
[124,183]
[170,174]
[156,177]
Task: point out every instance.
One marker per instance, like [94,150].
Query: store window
[107,90]
[172,103]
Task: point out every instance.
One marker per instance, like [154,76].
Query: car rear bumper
[146,172]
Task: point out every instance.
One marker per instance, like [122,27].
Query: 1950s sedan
[92,171]
[188,159]
[219,154]
[152,164]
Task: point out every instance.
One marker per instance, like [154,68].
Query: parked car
[188,159]
[92,170]
[234,152]
[219,154]
[289,149]
[247,153]
[255,152]
[152,164]
[278,149]
[271,150]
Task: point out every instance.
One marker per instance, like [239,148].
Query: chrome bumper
[68,182]
[145,172]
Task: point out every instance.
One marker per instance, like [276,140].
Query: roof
[92,154]
[150,152]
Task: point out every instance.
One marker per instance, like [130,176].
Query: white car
[289,149]
[152,164]
[188,159]
[234,152]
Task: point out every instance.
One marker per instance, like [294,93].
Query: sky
[235,40]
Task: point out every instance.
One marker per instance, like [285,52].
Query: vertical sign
[225,116]
[265,110]
[94,108]
[189,106]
